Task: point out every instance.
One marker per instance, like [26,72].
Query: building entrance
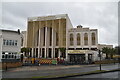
[77,58]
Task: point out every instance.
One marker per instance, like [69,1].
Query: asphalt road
[30,74]
[102,75]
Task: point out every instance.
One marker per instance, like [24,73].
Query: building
[24,39]
[82,44]
[47,34]
[82,38]
[100,46]
[10,44]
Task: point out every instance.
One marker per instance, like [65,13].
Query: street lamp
[100,59]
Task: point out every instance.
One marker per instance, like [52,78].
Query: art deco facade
[46,34]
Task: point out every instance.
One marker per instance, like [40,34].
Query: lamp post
[100,59]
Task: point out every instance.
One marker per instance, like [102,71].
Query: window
[93,38]
[71,39]
[3,56]
[3,52]
[7,43]
[85,39]
[57,39]
[4,42]
[10,42]
[15,42]
[6,56]
[78,39]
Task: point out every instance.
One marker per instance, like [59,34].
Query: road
[60,71]
[102,75]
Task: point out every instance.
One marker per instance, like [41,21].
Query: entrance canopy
[79,51]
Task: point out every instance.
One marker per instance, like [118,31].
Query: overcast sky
[95,15]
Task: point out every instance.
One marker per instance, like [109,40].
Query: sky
[95,15]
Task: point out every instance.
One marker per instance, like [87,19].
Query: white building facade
[83,38]
[83,44]
[10,44]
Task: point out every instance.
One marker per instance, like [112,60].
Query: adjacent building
[100,46]
[10,44]
[82,44]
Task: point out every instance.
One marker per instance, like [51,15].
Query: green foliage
[109,51]
[25,51]
[62,50]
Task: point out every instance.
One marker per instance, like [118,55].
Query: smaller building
[100,46]
[10,45]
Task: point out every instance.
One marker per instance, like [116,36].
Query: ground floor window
[77,58]
[10,55]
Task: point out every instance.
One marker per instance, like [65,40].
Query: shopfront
[80,56]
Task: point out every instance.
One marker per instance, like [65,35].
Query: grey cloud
[100,15]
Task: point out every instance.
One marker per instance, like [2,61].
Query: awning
[79,51]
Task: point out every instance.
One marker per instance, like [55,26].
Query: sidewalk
[52,67]
[46,67]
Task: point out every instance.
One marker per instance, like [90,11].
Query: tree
[62,50]
[112,52]
[25,51]
[106,51]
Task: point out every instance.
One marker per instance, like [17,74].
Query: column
[33,41]
[89,40]
[82,40]
[41,51]
[52,45]
[74,40]
[35,52]
[59,53]
[66,54]
[39,45]
[86,57]
[45,41]
[32,51]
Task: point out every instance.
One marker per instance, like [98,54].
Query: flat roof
[8,31]
[49,17]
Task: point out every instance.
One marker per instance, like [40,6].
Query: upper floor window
[4,42]
[71,39]
[15,42]
[93,38]
[85,39]
[78,39]
[10,42]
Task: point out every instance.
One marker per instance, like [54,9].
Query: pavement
[45,67]
[101,75]
[54,71]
